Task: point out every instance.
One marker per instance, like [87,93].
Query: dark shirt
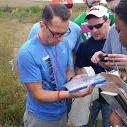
[86,51]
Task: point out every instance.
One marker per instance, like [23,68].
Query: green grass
[12,95]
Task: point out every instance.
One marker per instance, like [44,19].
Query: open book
[83,81]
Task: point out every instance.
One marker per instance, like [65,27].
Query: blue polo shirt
[33,63]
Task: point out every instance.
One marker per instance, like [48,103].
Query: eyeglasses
[97,26]
[58,35]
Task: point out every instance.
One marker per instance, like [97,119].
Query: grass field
[12,34]
[19,3]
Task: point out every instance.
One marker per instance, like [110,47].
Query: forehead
[58,25]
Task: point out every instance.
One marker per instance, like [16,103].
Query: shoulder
[80,18]
[74,25]
[113,30]
[75,28]
[35,27]
[81,15]
[29,46]
[36,24]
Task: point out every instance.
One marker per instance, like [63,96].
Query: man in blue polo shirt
[43,62]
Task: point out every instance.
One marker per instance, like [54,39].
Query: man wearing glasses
[99,25]
[43,61]
[73,39]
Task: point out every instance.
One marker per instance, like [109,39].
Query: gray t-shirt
[113,44]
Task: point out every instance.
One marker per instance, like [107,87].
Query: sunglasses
[97,26]
[58,35]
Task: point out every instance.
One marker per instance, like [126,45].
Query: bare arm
[52,96]
[43,95]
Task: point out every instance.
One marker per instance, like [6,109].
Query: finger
[94,59]
[116,55]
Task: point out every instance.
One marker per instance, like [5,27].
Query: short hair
[58,10]
[120,10]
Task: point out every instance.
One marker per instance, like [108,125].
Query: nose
[94,29]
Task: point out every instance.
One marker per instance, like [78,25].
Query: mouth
[97,35]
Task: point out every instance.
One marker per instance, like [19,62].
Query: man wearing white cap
[81,21]
[99,25]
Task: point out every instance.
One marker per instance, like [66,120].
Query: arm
[109,40]
[52,96]
[43,95]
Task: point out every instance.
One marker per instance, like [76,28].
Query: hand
[96,57]
[79,76]
[83,92]
[117,59]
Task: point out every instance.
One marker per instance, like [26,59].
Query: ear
[108,21]
[42,24]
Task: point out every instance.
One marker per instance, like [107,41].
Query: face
[122,28]
[91,3]
[112,4]
[98,28]
[54,32]
[69,7]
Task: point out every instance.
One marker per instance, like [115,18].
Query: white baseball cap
[98,11]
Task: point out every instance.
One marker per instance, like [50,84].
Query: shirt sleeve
[79,40]
[107,46]
[29,71]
